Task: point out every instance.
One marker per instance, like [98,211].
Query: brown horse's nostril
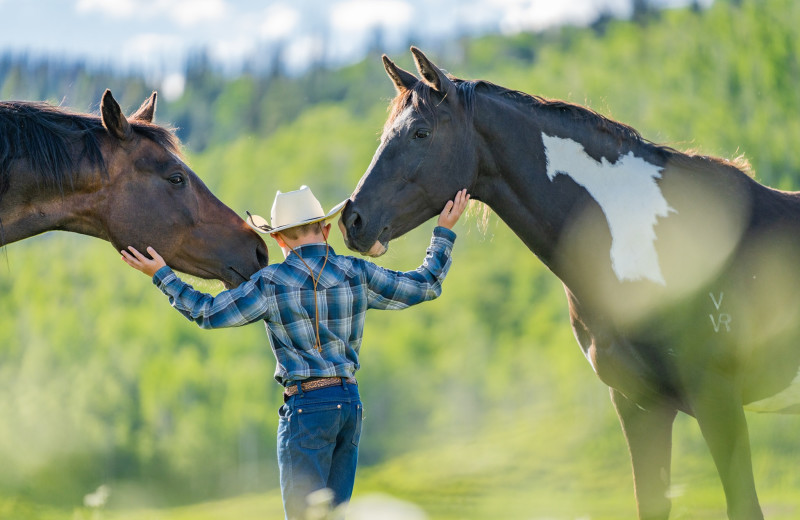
[262,257]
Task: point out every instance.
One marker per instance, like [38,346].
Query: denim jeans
[318,436]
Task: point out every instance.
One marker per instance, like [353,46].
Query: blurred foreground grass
[538,464]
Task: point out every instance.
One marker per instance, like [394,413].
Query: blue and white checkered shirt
[283,296]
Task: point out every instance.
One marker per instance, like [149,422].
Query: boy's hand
[141,263]
[453,209]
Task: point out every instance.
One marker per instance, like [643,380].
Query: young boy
[314,304]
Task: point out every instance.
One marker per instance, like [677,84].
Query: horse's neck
[32,205]
[539,169]
[513,178]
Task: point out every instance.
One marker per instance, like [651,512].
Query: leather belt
[317,383]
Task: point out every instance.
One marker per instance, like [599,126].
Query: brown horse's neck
[32,206]
[50,159]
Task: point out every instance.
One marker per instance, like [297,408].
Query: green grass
[536,464]
[245,507]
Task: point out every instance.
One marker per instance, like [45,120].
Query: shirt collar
[311,250]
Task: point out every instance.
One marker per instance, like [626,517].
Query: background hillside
[478,405]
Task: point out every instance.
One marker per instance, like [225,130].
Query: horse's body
[118,179]
[680,270]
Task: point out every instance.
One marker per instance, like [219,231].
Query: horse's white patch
[629,196]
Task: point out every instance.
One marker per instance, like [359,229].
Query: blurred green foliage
[479,404]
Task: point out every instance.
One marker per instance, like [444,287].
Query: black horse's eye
[421,134]
[176,179]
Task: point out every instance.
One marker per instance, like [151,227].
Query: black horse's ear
[433,75]
[113,120]
[147,111]
[403,80]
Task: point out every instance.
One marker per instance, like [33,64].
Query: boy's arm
[397,290]
[389,289]
[239,306]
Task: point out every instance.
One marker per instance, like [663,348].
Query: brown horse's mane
[421,97]
[44,135]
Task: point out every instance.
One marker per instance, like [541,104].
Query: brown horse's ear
[113,120]
[433,75]
[147,111]
[403,80]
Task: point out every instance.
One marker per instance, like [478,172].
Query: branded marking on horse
[629,196]
[723,318]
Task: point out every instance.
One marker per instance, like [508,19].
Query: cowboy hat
[293,209]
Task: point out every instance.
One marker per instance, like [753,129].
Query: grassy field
[540,464]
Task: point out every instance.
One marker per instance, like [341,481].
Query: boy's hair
[300,231]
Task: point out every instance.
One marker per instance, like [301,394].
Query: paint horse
[119,179]
[680,270]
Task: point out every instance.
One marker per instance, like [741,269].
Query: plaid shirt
[282,295]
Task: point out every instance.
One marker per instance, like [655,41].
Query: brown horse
[120,179]
[680,270]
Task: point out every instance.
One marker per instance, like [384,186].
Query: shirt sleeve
[245,304]
[397,290]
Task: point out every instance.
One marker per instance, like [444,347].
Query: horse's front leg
[718,409]
[649,436]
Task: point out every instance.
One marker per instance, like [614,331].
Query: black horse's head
[425,156]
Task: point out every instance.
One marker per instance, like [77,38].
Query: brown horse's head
[424,158]
[150,197]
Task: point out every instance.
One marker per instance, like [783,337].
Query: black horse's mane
[424,103]
[466,90]
[47,136]
[571,110]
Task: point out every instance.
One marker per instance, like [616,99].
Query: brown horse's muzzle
[242,266]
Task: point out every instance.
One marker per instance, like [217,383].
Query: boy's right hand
[453,210]
[138,261]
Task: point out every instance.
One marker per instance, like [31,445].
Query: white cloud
[335,30]
[353,24]
[233,50]
[185,13]
[112,8]
[152,51]
[172,86]
[192,12]
[301,51]
[360,15]
[520,15]
[280,21]
[478,15]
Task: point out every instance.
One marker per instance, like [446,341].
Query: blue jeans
[318,436]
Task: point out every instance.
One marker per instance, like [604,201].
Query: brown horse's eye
[421,134]
[176,179]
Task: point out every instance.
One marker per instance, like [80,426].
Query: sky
[155,36]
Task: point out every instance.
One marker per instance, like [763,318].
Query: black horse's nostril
[353,220]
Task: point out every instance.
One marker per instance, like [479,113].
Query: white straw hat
[292,209]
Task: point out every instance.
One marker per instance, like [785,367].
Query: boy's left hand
[138,261]
[453,209]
